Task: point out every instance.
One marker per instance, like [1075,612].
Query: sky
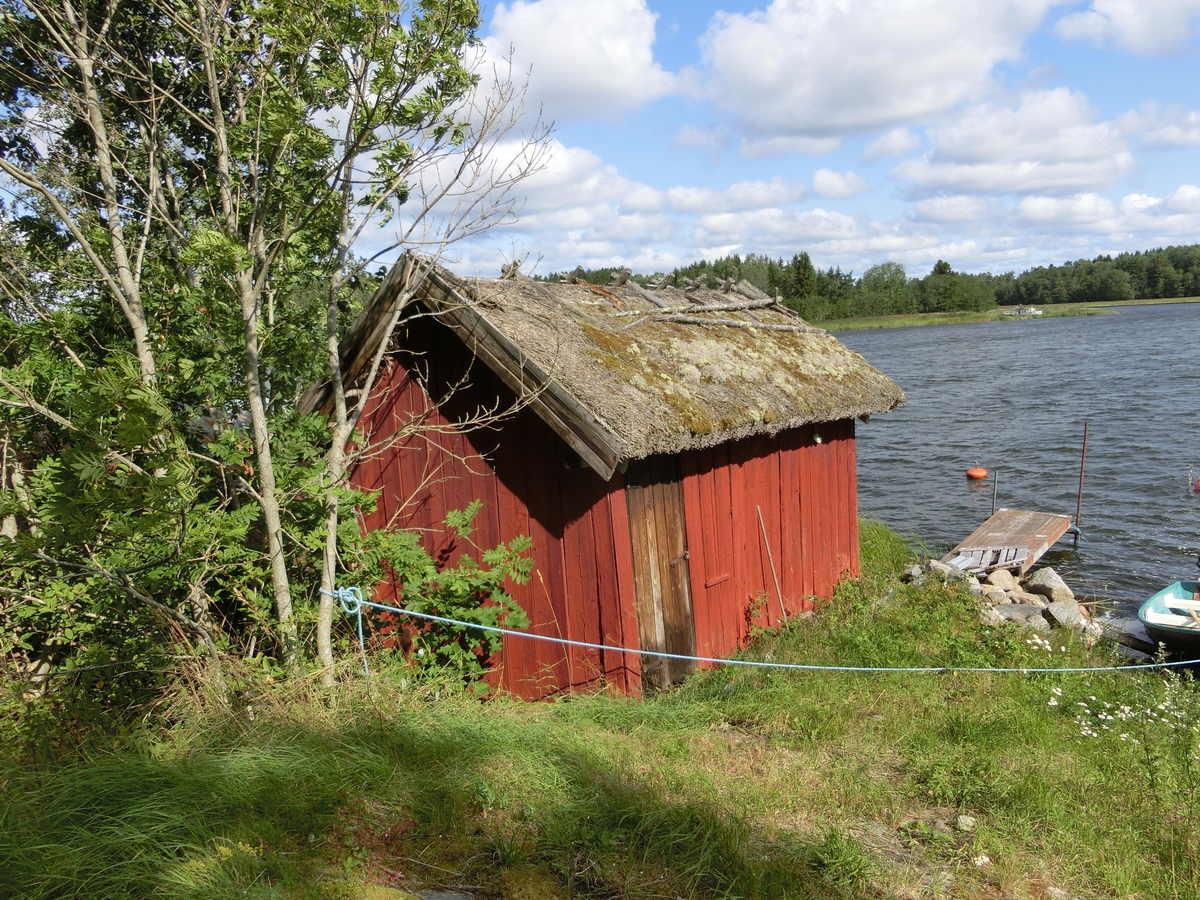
[997,135]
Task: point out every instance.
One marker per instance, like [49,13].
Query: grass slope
[743,783]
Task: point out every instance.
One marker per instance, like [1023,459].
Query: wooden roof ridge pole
[649,295]
[734,323]
[771,559]
[732,306]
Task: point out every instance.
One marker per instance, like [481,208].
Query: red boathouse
[683,459]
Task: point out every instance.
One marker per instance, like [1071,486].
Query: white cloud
[1151,218]
[954,208]
[1186,199]
[587,58]
[584,210]
[573,177]
[1163,128]
[1049,143]
[821,68]
[827,183]
[741,196]
[775,227]
[896,142]
[1080,209]
[765,148]
[1148,27]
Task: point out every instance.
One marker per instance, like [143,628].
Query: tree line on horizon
[887,289]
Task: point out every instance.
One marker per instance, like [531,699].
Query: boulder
[1003,579]
[976,589]
[1048,583]
[912,574]
[1037,623]
[946,571]
[994,595]
[1064,613]
[1031,599]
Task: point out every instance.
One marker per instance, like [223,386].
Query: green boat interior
[1177,606]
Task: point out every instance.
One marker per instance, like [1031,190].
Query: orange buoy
[977,473]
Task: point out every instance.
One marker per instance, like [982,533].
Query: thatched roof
[624,373]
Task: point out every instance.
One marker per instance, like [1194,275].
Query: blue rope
[352,603]
[350,599]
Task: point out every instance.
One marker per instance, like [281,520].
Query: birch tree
[208,161]
[220,154]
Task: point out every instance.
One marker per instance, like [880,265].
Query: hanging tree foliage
[186,184]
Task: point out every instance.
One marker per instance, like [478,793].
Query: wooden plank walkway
[1010,539]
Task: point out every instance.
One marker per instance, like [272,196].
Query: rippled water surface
[1013,397]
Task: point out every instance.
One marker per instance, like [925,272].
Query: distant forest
[886,289]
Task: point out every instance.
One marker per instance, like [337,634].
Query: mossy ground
[741,783]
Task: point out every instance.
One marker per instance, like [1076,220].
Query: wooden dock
[1010,539]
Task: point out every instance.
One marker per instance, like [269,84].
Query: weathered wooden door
[661,580]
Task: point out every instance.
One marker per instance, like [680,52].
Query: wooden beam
[358,346]
[566,416]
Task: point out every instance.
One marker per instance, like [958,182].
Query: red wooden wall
[582,584]
[807,495]
[578,523]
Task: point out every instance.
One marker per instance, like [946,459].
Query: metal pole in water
[995,481]
[1082,469]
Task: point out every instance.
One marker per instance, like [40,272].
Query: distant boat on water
[1023,311]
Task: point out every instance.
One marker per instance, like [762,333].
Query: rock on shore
[1048,583]
[1038,602]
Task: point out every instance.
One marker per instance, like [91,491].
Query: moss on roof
[666,386]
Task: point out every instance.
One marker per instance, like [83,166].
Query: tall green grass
[745,783]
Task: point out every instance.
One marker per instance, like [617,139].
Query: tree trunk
[266,472]
[328,583]
[335,470]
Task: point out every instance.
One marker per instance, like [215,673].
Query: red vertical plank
[608,591]
[729,595]
[406,504]
[820,519]
[851,477]
[513,518]
[828,512]
[809,515]
[543,457]
[845,500]
[790,522]
[699,542]
[767,499]
[748,536]
[619,516]
[581,600]
[743,586]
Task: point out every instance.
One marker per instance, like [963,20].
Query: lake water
[1013,397]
